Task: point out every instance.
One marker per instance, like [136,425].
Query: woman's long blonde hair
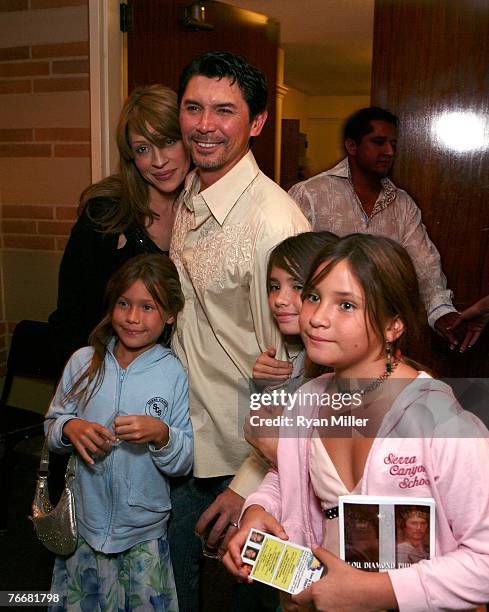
[160,277]
[151,111]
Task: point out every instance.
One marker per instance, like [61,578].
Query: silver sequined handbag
[55,527]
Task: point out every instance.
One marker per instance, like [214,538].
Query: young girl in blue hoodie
[122,407]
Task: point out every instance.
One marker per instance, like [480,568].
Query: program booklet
[382,533]
[280,563]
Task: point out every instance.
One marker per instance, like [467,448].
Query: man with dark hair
[219,65]
[359,124]
[230,217]
[357,196]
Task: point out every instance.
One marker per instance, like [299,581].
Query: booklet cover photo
[383,533]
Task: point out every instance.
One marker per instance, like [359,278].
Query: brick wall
[44,148]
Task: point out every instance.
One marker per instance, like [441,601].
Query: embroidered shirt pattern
[221,240]
[220,248]
[329,201]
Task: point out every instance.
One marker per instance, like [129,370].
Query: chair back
[31,355]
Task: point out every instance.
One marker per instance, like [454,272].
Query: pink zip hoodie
[427,446]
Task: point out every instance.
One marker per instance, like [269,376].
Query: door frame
[108,83]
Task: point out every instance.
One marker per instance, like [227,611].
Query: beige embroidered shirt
[330,203]
[220,244]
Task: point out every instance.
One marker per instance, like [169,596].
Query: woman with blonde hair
[123,215]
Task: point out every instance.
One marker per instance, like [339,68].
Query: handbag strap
[44,464]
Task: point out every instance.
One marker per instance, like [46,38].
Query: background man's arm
[305,201]
[436,297]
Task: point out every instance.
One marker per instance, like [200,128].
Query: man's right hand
[225,512]
[472,321]
[268,368]
[444,325]
[88,437]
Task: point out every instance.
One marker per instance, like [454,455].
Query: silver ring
[234,524]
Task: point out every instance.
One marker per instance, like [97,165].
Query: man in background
[357,196]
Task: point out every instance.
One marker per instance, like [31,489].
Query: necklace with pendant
[375,384]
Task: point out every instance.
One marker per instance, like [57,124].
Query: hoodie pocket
[149,494]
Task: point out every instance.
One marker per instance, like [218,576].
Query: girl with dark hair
[407,435]
[122,407]
[123,215]
[288,267]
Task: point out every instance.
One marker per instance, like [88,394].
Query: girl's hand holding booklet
[279,563]
[377,533]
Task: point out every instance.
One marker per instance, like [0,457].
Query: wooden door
[159,46]
[430,67]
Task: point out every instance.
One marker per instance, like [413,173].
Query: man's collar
[191,187]
[224,193]
[342,170]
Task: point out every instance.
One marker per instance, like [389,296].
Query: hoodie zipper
[122,374]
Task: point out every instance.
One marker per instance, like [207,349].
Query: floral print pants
[139,579]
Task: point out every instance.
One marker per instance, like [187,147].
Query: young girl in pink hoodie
[359,302]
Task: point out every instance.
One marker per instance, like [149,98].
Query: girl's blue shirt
[124,498]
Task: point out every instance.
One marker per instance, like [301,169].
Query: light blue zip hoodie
[124,498]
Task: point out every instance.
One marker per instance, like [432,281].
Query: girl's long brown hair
[385,272]
[151,111]
[160,277]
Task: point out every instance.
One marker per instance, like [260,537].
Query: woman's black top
[89,260]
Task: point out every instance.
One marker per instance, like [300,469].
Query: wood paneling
[430,61]
[159,47]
